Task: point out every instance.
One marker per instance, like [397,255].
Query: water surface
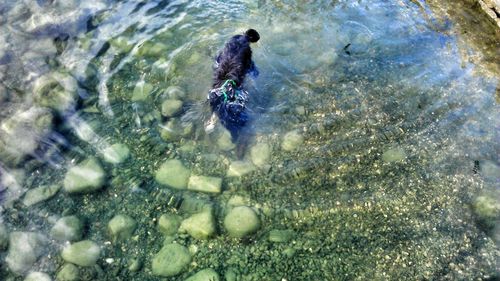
[373,148]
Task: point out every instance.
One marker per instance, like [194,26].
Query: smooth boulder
[121,227]
[69,228]
[173,174]
[171,260]
[83,253]
[241,221]
[24,250]
[199,226]
[88,176]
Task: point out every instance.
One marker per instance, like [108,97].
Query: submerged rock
[280,236]
[69,272]
[56,91]
[175,130]
[206,274]
[241,221]
[21,134]
[171,260]
[24,250]
[88,176]
[199,226]
[40,194]
[292,140]
[394,155]
[121,227]
[168,224]
[4,237]
[116,153]
[171,107]
[174,92]
[224,141]
[205,184]
[83,253]
[37,276]
[173,173]
[240,168]
[487,209]
[141,91]
[68,228]
[260,154]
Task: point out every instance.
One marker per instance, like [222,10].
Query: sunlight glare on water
[372,151]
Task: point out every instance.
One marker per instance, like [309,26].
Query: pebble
[88,176]
[171,260]
[116,153]
[171,107]
[200,226]
[68,228]
[83,253]
[241,221]
[292,140]
[168,224]
[206,274]
[260,154]
[24,250]
[37,276]
[173,173]
[121,227]
[393,155]
[240,168]
[69,272]
[40,194]
[205,184]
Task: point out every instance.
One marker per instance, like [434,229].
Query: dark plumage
[228,98]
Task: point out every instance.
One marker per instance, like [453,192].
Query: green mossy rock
[168,224]
[171,107]
[171,260]
[224,141]
[205,184]
[199,226]
[121,227]
[68,228]
[174,92]
[241,221]
[292,140]
[173,173]
[206,274]
[141,91]
[69,272]
[260,154]
[83,253]
[88,176]
[40,194]
[116,153]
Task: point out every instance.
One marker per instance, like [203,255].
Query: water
[373,151]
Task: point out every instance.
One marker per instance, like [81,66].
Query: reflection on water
[373,151]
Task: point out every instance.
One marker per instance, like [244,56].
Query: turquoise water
[372,154]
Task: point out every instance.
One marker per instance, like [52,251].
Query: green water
[373,151]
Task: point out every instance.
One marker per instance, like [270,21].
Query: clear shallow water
[374,143]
